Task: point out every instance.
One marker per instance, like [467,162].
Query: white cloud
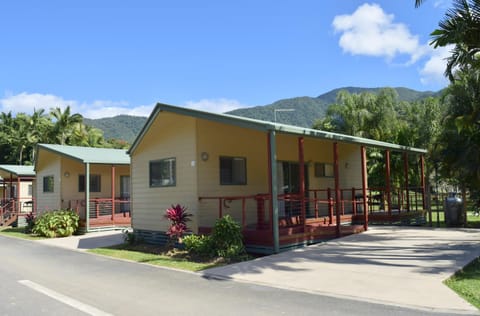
[215,105]
[27,102]
[105,108]
[434,69]
[372,32]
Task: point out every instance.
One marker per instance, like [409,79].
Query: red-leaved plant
[178,217]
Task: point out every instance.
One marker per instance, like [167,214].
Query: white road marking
[90,310]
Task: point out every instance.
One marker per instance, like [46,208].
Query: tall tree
[461,28]
[459,143]
[418,3]
[7,136]
[64,123]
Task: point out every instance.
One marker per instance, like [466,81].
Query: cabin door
[288,178]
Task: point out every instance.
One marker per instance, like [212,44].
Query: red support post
[301,162]
[330,206]
[244,220]
[337,188]
[405,165]
[364,187]
[388,187]
[422,180]
[354,202]
[19,201]
[270,190]
[113,193]
[220,215]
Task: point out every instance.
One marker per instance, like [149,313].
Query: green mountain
[305,111]
[124,127]
[309,109]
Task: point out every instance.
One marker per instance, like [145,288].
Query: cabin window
[163,173]
[233,171]
[48,184]
[323,170]
[95,184]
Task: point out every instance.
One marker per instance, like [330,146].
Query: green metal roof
[17,170]
[268,126]
[91,155]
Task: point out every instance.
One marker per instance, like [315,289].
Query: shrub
[199,245]
[178,217]
[30,219]
[227,239]
[58,223]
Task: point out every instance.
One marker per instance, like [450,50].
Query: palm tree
[418,3]
[461,28]
[64,123]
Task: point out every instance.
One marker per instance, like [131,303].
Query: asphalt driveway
[389,265]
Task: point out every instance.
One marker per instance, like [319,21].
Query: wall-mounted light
[204,156]
[66,174]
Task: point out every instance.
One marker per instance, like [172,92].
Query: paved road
[38,279]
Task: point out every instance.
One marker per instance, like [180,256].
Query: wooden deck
[293,234]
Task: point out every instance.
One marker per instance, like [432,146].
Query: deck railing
[13,208]
[102,207]
[254,210]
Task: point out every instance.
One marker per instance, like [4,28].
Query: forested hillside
[122,127]
[308,109]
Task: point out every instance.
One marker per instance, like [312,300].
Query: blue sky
[104,58]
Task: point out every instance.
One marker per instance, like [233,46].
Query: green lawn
[156,256]
[466,283]
[18,232]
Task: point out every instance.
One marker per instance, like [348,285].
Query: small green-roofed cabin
[94,182]
[16,189]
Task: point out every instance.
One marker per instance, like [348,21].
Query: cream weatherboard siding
[217,140]
[170,136]
[50,165]
[350,165]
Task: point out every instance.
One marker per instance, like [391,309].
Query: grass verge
[158,256]
[18,232]
[466,283]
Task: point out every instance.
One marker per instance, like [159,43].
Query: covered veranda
[311,214]
[93,182]
[16,193]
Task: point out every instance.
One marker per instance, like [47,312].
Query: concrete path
[388,265]
[87,241]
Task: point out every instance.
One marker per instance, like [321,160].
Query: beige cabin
[16,189]
[217,164]
[84,178]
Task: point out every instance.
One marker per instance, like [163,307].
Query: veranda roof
[16,170]
[267,126]
[90,155]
